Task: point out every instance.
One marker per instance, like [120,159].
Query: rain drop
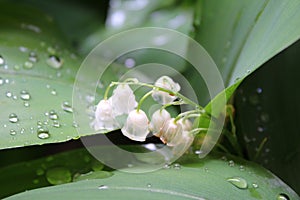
[22,130]
[13,118]
[283,197]
[8,94]
[28,65]
[12,132]
[33,57]
[149,185]
[177,166]
[54,61]
[43,133]
[2,61]
[75,125]
[255,185]
[26,104]
[56,124]
[53,92]
[231,163]
[25,95]
[23,49]
[248,71]
[67,107]
[238,182]
[242,168]
[1,81]
[53,115]
[102,187]
[58,175]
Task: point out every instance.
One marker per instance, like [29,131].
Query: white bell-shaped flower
[123,100]
[170,130]
[158,119]
[104,119]
[184,135]
[136,126]
[166,83]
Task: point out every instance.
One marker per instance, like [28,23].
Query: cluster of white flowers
[172,131]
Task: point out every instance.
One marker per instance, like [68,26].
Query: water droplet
[28,65]
[26,104]
[149,185]
[25,95]
[1,81]
[264,117]
[167,166]
[259,90]
[231,163]
[8,94]
[14,97]
[13,118]
[248,71]
[238,182]
[75,125]
[283,197]
[22,130]
[53,92]
[206,169]
[255,185]
[103,187]
[237,79]
[12,132]
[58,175]
[33,57]
[67,107]
[129,62]
[53,115]
[23,49]
[224,158]
[51,50]
[177,166]
[56,124]
[39,172]
[54,61]
[260,129]
[242,168]
[43,133]
[2,61]
[254,100]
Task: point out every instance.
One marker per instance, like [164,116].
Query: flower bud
[164,97]
[158,119]
[104,118]
[123,100]
[136,126]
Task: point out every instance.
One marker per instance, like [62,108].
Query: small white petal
[166,83]
[136,126]
[123,100]
[158,119]
[170,132]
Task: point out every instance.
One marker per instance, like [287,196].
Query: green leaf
[33,81]
[272,107]
[242,35]
[210,178]
[54,169]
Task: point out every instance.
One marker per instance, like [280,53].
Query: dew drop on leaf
[12,132]
[33,57]
[238,182]
[2,61]
[13,118]
[43,133]
[53,115]
[177,166]
[53,92]
[255,185]
[58,175]
[231,163]
[56,124]
[1,81]
[26,104]
[25,95]
[8,94]
[54,62]
[67,107]
[149,185]
[28,65]
[283,197]
[103,187]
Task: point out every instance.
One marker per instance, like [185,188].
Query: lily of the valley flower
[184,135]
[169,131]
[158,119]
[163,97]
[136,126]
[123,100]
[104,118]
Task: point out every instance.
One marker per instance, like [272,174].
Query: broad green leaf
[75,165]
[242,35]
[270,101]
[210,178]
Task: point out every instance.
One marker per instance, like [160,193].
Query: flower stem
[142,100]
